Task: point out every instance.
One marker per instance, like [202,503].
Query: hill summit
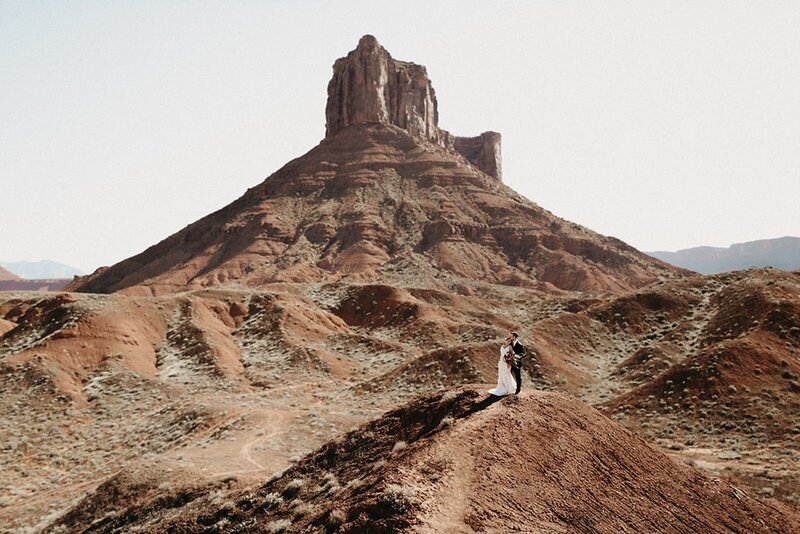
[388,196]
[542,462]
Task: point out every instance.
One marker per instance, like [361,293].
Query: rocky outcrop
[483,151]
[368,85]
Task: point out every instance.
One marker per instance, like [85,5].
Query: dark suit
[516,366]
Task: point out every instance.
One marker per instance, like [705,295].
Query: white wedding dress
[506,385]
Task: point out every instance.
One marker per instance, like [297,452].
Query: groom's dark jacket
[519,353]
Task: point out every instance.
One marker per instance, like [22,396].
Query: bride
[506,385]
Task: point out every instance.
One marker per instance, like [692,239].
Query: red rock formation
[483,151]
[368,85]
[386,197]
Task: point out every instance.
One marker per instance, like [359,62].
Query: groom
[519,353]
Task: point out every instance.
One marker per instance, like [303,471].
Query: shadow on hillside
[483,404]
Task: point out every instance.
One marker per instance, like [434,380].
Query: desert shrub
[336,517]
[399,498]
[293,487]
[449,396]
[278,526]
[331,483]
[356,482]
[399,446]
[217,497]
[273,499]
[377,465]
[302,509]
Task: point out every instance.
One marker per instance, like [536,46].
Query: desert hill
[237,383]
[781,253]
[7,275]
[386,197]
[455,463]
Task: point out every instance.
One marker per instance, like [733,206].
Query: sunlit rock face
[369,85]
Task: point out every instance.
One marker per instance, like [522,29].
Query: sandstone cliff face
[368,85]
[482,151]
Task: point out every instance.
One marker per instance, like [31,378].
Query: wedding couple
[509,367]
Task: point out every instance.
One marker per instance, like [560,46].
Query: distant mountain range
[36,270]
[781,253]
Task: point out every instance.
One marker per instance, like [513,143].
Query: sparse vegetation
[399,498]
[377,465]
[355,483]
[399,446]
[293,487]
[278,526]
[272,499]
[301,510]
[330,483]
[449,396]
[336,517]
[680,365]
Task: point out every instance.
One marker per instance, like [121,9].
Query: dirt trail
[538,462]
[244,452]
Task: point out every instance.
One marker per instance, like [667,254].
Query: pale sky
[665,124]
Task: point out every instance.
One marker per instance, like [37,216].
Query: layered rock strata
[386,197]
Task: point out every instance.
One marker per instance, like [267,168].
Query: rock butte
[387,196]
[370,86]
